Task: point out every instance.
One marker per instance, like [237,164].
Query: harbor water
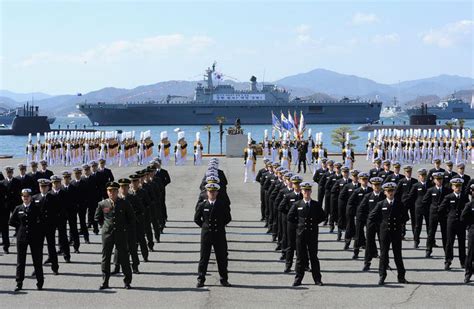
[16,145]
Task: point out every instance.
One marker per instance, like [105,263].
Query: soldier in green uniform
[132,228]
[115,215]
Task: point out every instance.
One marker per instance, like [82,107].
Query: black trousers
[420,215]
[218,241]
[82,222]
[456,229]
[327,203]
[412,213]
[155,221]
[470,251]
[63,240]
[4,228]
[141,241]
[122,253]
[91,207]
[37,256]
[334,211]
[321,195]
[73,232]
[284,231]
[291,243]
[359,237]
[342,219]
[268,209]
[304,165]
[132,249]
[388,238]
[307,245]
[370,244]
[434,219]
[262,201]
[50,236]
[275,220]
[148,230]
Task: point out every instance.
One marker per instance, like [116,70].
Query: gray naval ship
[449,109]
[212,100]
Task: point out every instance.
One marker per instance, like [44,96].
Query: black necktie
[308,204]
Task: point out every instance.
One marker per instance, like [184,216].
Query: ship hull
[177,114]
[446,114]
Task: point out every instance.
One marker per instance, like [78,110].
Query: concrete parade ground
[168,280]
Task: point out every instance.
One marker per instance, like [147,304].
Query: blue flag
[275,123]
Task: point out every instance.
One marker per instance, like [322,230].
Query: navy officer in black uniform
[307,214]
[212,216]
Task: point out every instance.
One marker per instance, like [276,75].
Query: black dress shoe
[382,281]
[269,231]
[297,283]
[87,242]
[331,229]
[128,286]
[39,285]
[135,270]
[428,254]
[145,260]
[225,283]
[33,274]
[262,219]
[403,280]
[366,267]
[355,256]
[18,287]
[77,251]
[104,286]
[447,266]
[346,246]
[274,238]
[416,245]
[318,282]
[55,272]
[435,245]
[467,279]
[47,261]
[67,259]
[287,270]
[339,235]
[282,257]
[6,251]
[278,248]
[200,284]
[266,225]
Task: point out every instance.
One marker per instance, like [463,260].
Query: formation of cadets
[366,207]
[300,153]
[414,146]
[72,148]
[40,205]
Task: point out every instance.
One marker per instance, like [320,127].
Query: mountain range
[316,84]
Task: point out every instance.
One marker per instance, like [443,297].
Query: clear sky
[62,47]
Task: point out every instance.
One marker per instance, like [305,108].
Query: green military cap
[269,163]
[306,185]
[389,186]
[457,182]
[212,187]
[112,185]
